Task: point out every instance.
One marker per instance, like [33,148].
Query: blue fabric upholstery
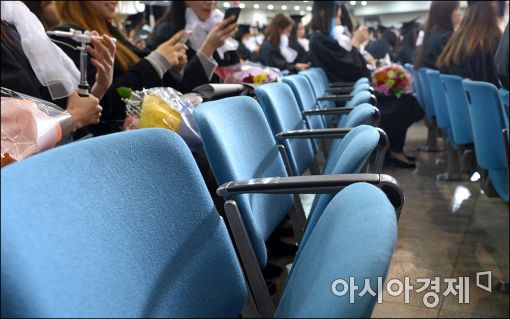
[115,226]
[239,146]
[462,133]
[348,157]
[283,114]
[354,237]
[438,98]
[305,96]
[409,67]
[358,98]
[504,95]
[487,123]
[361,114]
[427,92]
[325,80]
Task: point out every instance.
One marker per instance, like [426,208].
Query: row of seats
[469,113]
[131,230]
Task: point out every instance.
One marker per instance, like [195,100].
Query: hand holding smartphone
[233,11]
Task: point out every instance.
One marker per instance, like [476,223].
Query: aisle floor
[448,230]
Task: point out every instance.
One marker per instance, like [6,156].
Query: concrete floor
[446,229]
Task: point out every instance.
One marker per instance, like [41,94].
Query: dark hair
[346,18]
[322,24]
[278,23]
[175,16]
[439,16]
[478,30]
[3,35]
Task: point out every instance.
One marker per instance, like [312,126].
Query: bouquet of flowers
[30,126]
[248,72]
[392,80]
[161,107]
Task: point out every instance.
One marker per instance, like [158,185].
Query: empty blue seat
[487,122]
[438,98]
[115,226]
[158,248]
[430,109]
[283,114]
[458,112]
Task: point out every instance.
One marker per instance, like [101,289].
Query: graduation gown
[139,76]
[303,56]
[243,52]
[437,41]
[477,67]
[271,56]
[501,59]
[164,31]
[379,48]
[338,63]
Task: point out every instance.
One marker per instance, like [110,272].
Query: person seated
[470,51]
[331,48]
[298,41]
[385,45]
[275,51]
[442,19]
[406,52]
[210,41]
[247,44]
[28,68]
[132,67]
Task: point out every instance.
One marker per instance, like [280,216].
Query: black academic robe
[379,48]
[406,54]
[477,67]
[140,75]
[243,52]
[164,31]
[271,56]
[338,63]
[437,41]
[18,75]
[303,56]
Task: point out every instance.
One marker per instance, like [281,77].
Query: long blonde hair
[81,14]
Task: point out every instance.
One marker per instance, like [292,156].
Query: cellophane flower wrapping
[249,73]
[30,125]
[162,107]
[392,80]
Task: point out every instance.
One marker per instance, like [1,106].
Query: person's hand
[84,110]
[217,36]
[360,36]
[174,51]
[302,66]
[102,53]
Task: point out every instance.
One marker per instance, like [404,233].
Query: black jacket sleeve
[338,63]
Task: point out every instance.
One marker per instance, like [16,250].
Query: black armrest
[341,83]
[328,111]
[341,97]
[315,184]
[339,90]
[314,133]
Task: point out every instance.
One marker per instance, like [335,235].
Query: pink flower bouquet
[251,73]
[392,80]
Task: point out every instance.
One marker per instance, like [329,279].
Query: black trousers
[397,114]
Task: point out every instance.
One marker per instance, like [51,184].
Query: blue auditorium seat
[115,226]
[487,122]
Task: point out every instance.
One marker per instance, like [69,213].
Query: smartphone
[233,11]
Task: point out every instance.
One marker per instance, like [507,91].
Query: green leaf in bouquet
[124,92]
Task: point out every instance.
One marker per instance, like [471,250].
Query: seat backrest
[348,157]
[410,69]
[462,133]
[115,226]
[504,95]
[240,145]
[487,123]
[305,97]
[359,98]
[283,114]
[361,114]
[355,237]
[318,86]
[439,98]
[427,92]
